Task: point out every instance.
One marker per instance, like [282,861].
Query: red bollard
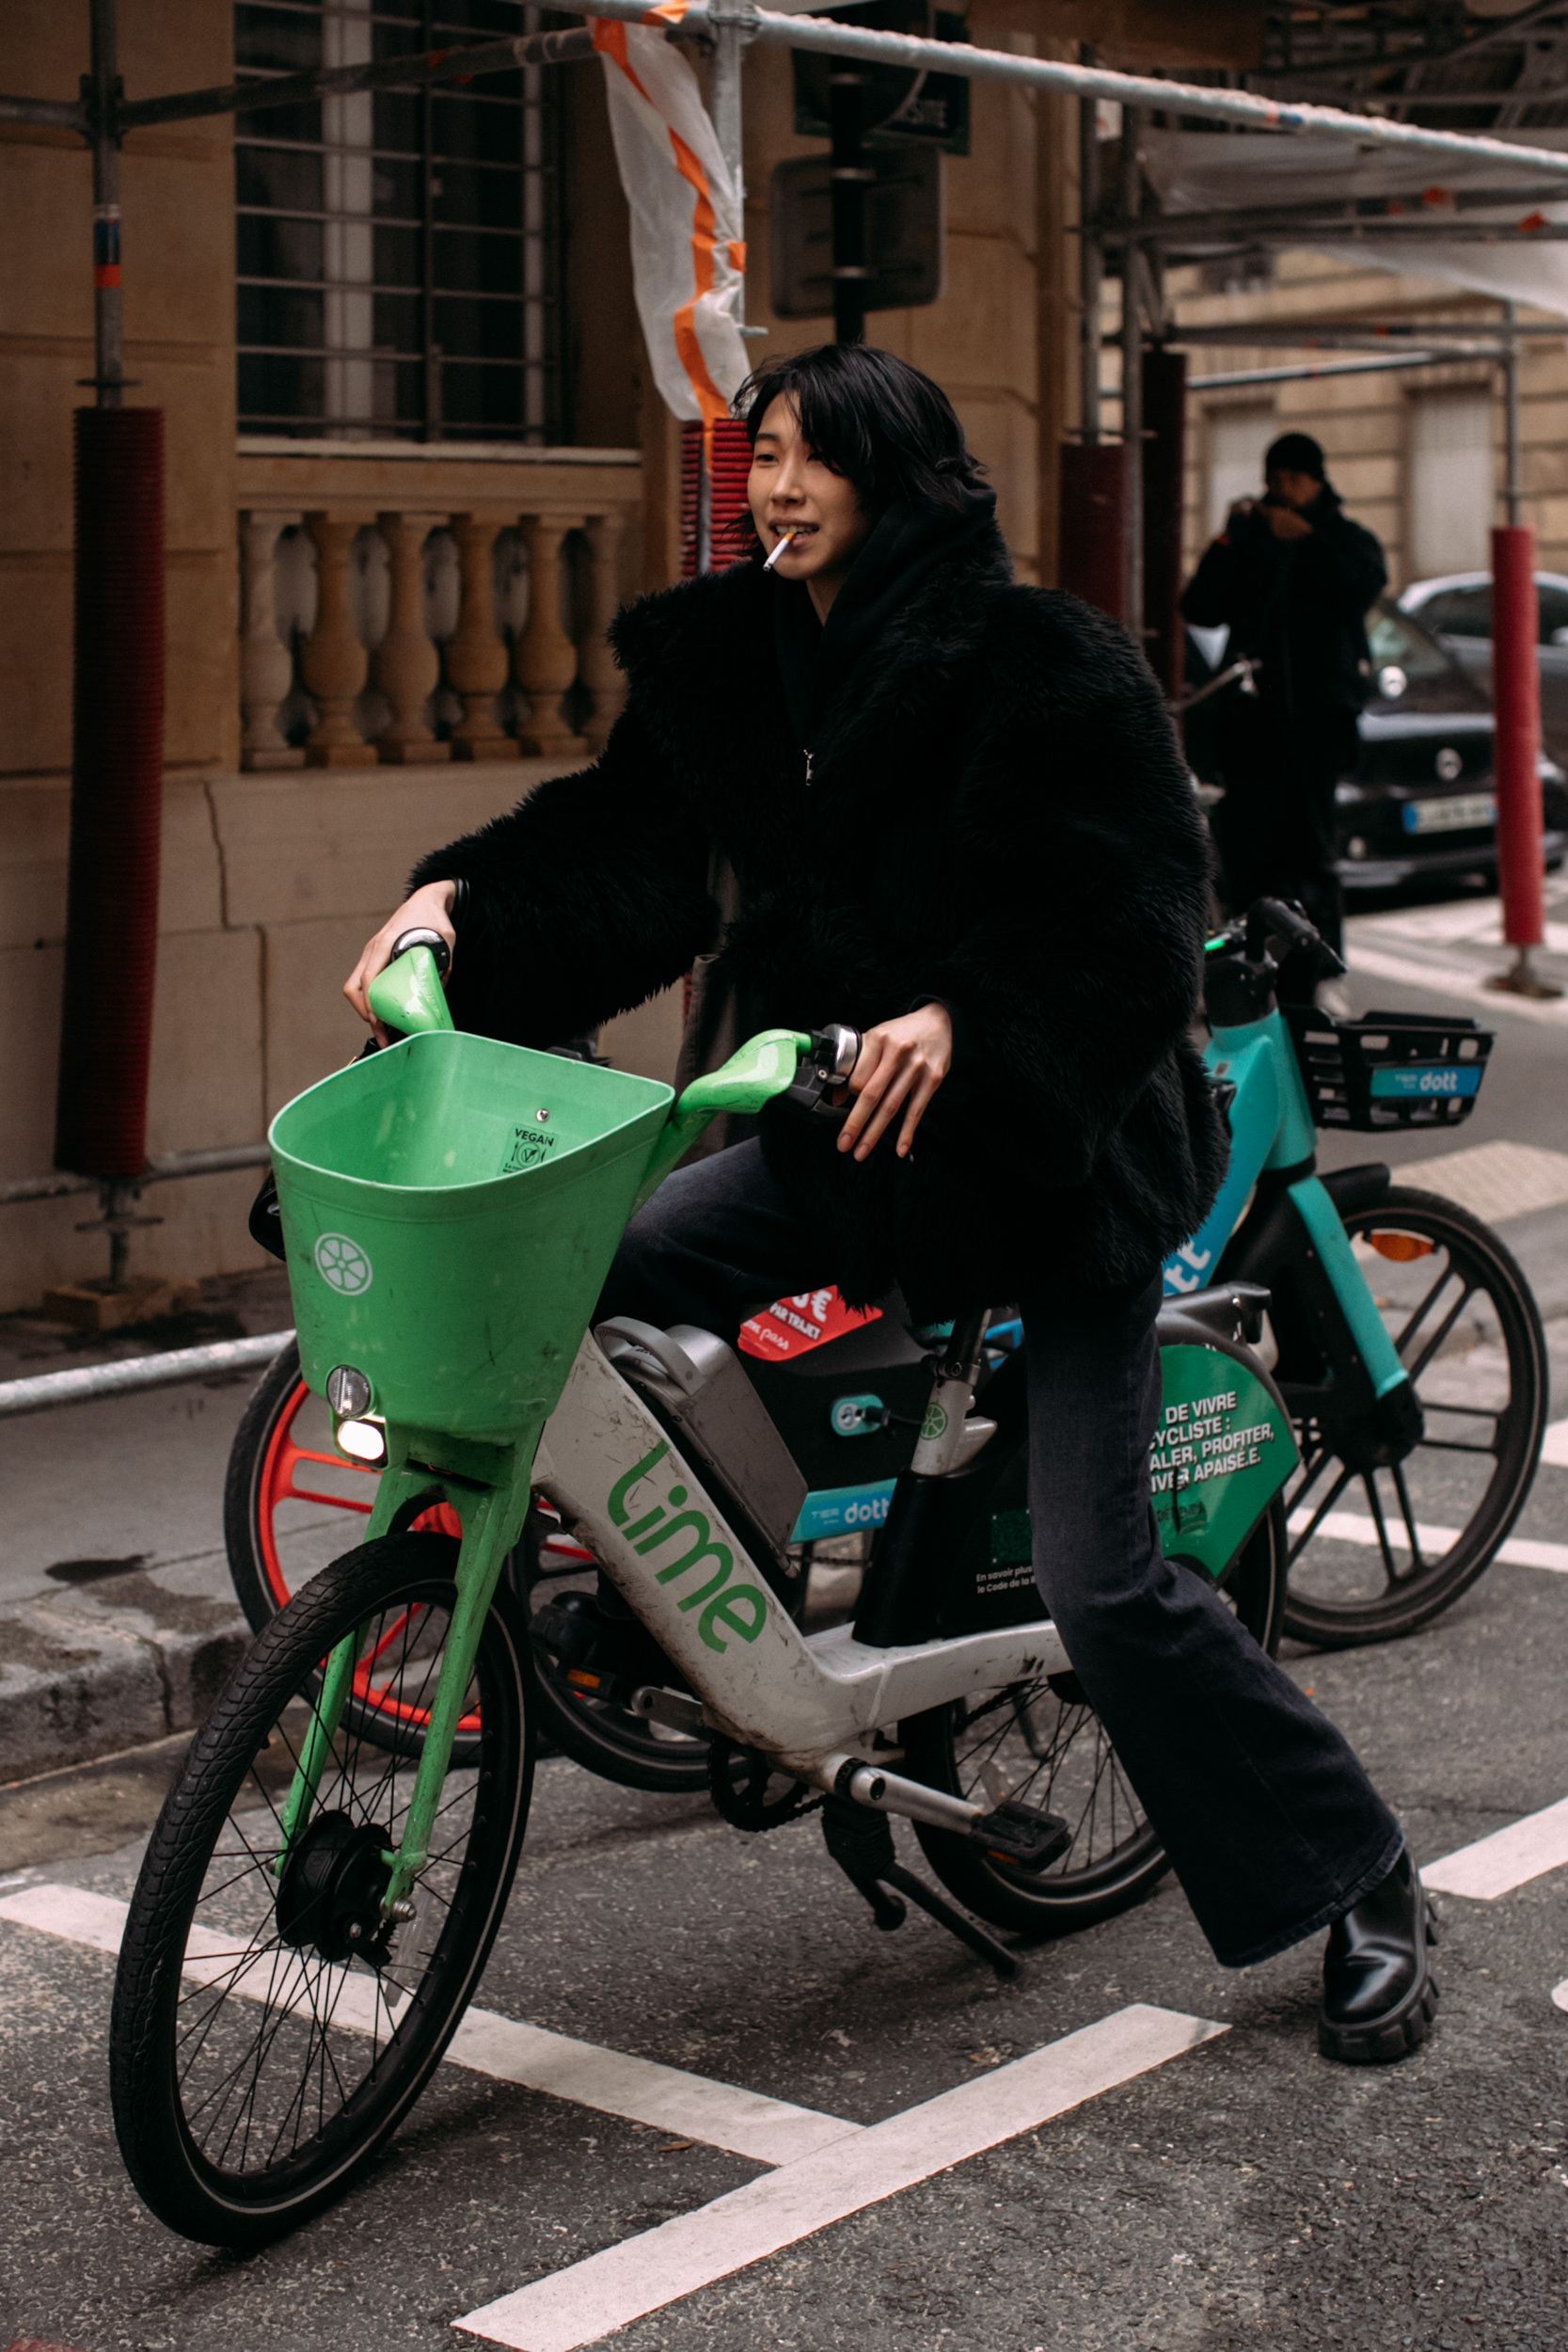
[1517,703]
[1093,525]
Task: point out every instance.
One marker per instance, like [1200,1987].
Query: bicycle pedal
[1023,1835]
[608,1658]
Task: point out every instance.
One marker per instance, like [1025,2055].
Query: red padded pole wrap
[732,464]
[1517,696]
[116,794]
[1093,555]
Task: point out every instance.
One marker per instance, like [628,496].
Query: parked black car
[1421,800]
[1457,608]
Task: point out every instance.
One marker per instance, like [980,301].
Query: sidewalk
[118,1620]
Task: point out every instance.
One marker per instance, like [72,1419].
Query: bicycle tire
[261,1483]
[604,1738]
[293,2003]
[1050,1720]
[1324,1604]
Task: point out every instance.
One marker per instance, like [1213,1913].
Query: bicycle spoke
[1444,1275]
[1407,1514]
[1319,1516]
[1435,1341]
[1368,1481]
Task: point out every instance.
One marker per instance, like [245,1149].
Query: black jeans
[1270,1823]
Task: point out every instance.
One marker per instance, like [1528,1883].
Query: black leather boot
[1379,1992]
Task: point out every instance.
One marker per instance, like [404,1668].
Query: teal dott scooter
[1402,1334]
[331,1869]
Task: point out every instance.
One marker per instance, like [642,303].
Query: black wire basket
[1389,1069]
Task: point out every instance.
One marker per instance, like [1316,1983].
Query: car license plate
[1461,813]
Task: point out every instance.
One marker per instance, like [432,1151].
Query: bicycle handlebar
[1277,918]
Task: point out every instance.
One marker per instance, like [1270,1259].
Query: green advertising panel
[1221,1454]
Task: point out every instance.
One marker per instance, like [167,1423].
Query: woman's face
[791,489]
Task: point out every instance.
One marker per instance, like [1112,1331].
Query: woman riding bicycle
[878,781]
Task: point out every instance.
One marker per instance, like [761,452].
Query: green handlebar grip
[408,995]
[764,1067]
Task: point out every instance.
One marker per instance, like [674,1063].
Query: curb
[79,1679]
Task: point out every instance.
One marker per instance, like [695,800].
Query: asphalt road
[1240,2193]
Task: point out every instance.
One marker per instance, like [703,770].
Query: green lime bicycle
[331,1867]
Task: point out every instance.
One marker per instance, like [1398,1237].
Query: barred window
[399,251]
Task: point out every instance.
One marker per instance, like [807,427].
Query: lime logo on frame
[344,1265]
[740,1609]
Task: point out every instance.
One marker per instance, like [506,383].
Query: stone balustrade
[410,604]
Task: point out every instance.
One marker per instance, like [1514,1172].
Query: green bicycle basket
[451,1206]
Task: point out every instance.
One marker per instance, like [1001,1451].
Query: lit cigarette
[783,542]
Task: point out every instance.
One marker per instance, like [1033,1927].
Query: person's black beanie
[1296,453]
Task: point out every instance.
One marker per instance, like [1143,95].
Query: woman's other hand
[901,1065]
[428,909]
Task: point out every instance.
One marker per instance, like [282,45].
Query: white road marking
[1508,1858]
[1492,1180]
[743,2123]
[1554,1448]
[1559,1994]
[578,2305]
[1348,1527]
[1447,979]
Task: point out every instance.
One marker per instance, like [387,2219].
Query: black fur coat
[999,816]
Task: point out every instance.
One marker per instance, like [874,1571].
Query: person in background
[1291,576]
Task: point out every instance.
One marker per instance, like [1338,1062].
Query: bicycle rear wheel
[1377,1554]
[269,2030]
[291,1501]
[1041,1743]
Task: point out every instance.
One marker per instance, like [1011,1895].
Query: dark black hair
[873,419]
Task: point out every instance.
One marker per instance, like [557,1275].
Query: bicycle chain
[743,1805]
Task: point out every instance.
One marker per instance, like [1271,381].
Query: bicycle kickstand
[861,1842]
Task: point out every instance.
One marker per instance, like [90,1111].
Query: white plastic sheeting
[688,234]
[1199,171]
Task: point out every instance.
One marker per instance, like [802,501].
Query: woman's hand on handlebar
[901,1065]
[429,909]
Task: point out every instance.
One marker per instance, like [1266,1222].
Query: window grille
[399,251]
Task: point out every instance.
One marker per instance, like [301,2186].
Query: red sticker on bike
[793,1326]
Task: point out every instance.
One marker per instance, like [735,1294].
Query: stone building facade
[302,777]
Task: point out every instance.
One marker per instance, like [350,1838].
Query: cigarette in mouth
[783,542]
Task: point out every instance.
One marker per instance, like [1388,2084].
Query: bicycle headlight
[363,1441]
[348,1391]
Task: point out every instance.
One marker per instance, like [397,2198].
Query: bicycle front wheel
[269,2029]
[1377,1554]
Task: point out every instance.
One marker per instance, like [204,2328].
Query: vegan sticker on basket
[344,1265]
[530,1147]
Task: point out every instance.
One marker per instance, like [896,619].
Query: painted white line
[743,2123]
[1452,980]
[1559,1994]
[690,2106]
[1554,1447]
[578,2305]
[1494,1179]
[1508,1858]
[1348,1527]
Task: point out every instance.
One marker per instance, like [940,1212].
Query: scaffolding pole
[1245,109]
